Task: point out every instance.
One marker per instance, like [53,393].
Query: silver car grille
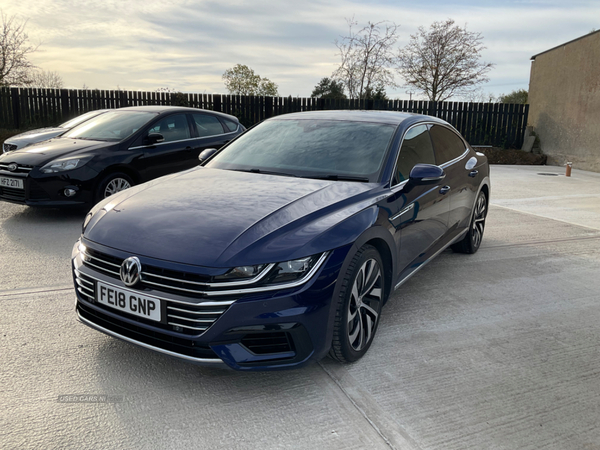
[177,282]
[20,168]
[189,318]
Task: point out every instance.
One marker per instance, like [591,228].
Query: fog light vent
[70,192]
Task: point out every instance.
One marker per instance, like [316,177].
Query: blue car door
[452,155]
[419,213]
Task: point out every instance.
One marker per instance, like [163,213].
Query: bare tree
[45,79]
[15,68]
[367,58]
[444,61]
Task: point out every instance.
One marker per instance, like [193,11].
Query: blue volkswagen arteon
[283,246]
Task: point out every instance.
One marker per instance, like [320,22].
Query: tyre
[113,183]
[359,306]
[472,240]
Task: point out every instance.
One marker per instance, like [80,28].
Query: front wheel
[113,183]
[359,306]
[471,242]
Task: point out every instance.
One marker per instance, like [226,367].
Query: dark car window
[111,126]
[173,128]
[230,125]
[80,119]
[447,144]
[207,125]
[308,147]
[416,149]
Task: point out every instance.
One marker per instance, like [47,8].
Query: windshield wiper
[336,177]
[266,172]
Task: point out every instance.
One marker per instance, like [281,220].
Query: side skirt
[409,275]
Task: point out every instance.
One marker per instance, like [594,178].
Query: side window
[416,149]
[230,125]
[207,125]
[447,144]
[173,128]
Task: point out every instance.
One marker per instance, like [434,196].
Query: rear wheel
[359,306]
[113,183]
[471,242]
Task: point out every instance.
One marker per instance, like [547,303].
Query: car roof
[167,108]
[388,117]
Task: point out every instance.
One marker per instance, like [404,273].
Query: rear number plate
[128,301]
[14,183]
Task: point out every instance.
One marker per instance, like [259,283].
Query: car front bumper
[269,330]
[49,189]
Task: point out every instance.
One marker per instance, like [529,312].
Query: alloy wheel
[116,185]
[364,304]
[478,221]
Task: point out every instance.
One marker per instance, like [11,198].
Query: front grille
[267,343]
[12,194]
[21,168]
[174,344]
[9,147]
[153,277]
[187,318]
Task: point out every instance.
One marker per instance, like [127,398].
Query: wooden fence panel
[480,123]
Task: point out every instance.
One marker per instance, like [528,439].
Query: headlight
[239,273]
[62,165]
[277,273]
[292,270]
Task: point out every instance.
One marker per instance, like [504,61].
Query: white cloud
[187,45]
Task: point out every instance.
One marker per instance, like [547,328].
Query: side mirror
[205,154]
[426,174]
[153,138]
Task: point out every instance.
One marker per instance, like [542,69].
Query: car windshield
[310,148]
[79,119]
[111,126]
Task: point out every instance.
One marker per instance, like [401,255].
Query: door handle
[188,149]
[473,173]
[445,190]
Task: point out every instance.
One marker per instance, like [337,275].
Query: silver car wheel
[365,299]
[478,221]
[116,185]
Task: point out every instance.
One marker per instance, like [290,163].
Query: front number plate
[14,183]
[128,301]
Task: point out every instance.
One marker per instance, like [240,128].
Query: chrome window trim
[403,182]
[148,346]
[181,140]
[443,166]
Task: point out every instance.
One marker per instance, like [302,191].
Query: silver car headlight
[283,272]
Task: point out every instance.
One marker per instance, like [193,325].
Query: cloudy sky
[187,44]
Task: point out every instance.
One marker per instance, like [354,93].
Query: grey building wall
[564,102]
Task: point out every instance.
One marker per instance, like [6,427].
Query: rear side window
[416,149]
[447,144]
[207,125]
[230,125]
[172,128]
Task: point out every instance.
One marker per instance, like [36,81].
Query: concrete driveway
[499,350]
